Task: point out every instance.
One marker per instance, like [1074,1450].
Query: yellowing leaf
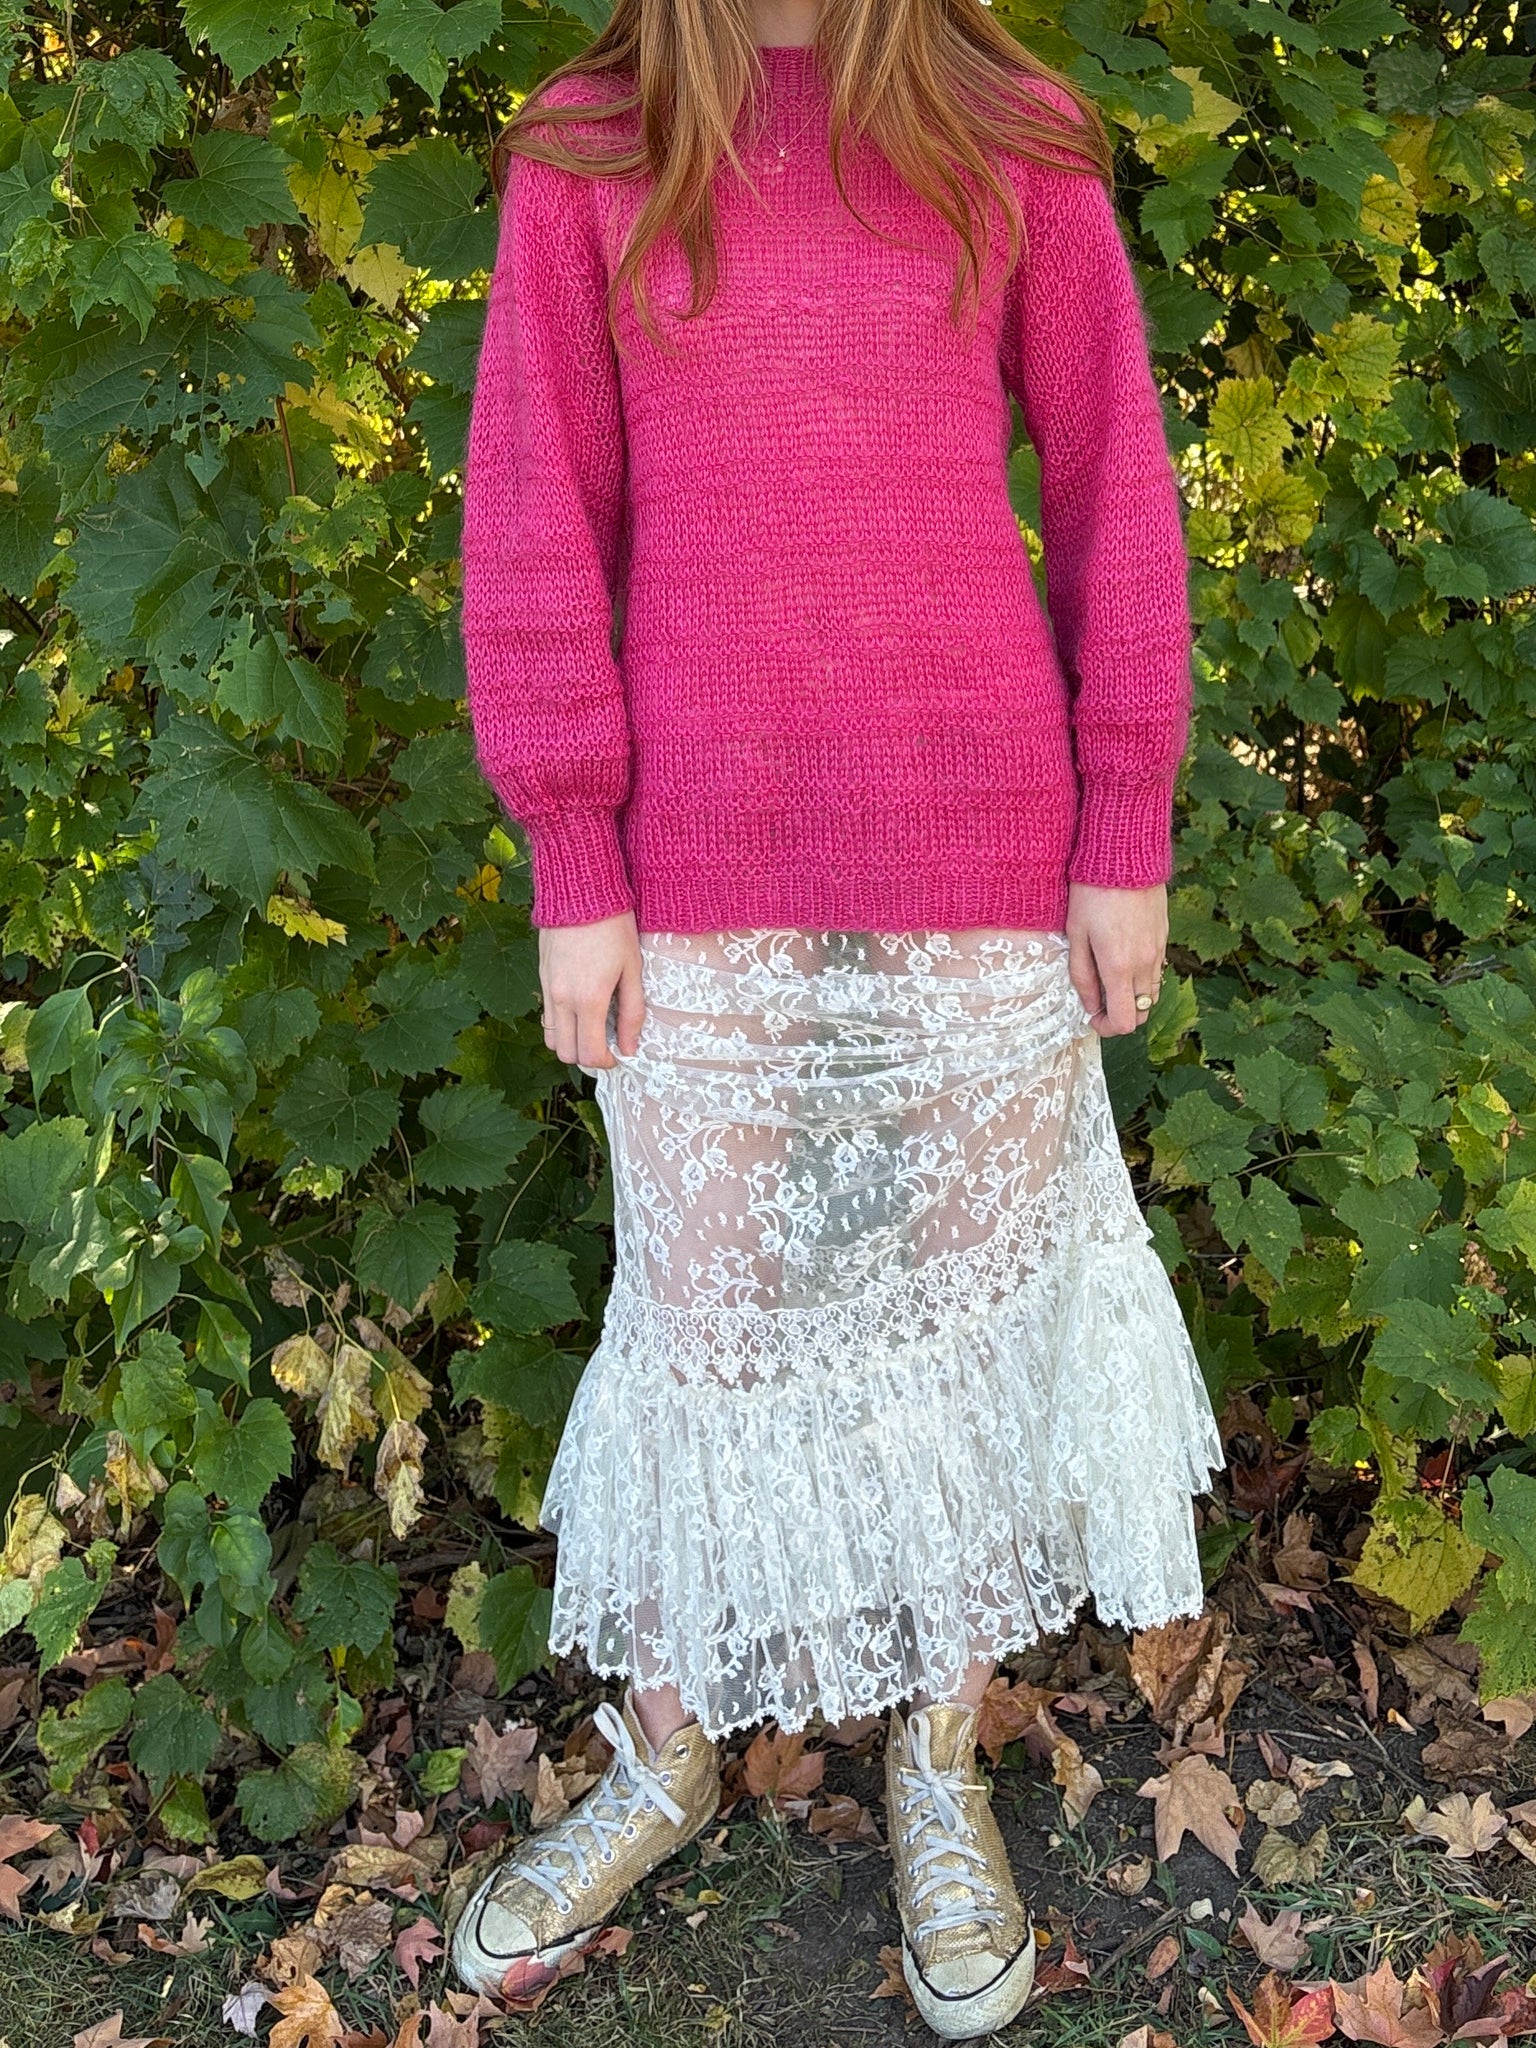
[300,1367]
[466,1591]
[1282,510]
[240,1878]
[35,1543]
[1362,353]
[346,1411]
[379,270]
[1247,426]
[1417,1558]
[398,1478]
[1387,210]
[300,920]
[309,2018]
[1212,115]
[328,200]
[403,1392]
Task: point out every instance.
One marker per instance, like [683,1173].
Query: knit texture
[752,634]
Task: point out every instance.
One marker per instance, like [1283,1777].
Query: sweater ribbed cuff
[578,869]
[1124,834]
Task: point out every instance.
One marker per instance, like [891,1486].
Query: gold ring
[1143,1002]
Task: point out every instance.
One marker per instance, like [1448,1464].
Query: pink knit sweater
[836,700]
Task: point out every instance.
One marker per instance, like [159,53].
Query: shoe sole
[973,2013]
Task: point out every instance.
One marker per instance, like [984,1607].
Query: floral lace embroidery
[889,1375]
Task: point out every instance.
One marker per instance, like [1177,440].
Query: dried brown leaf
[1278,1945]
[1195,1798]
[1381,2009]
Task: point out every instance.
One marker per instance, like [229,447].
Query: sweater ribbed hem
[578,869]
[1007,898]
[1124,834]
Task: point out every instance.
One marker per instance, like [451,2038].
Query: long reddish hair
[934,84]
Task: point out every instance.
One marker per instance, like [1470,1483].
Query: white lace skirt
[890,1376]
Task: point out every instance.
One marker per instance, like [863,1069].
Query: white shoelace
[925,1786]
[630,1785]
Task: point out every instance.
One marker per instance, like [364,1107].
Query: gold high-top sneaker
[557,1888]
[968,1944]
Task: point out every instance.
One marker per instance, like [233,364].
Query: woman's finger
[1083,973]
[592,1049]
[1120,1013]
[631,1010]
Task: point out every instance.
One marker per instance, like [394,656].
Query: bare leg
[978,1676]
[660,1712]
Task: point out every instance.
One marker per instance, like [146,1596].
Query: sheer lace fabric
[889,1376]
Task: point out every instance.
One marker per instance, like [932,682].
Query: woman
[842,867]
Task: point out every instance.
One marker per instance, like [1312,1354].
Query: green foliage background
[303,1231]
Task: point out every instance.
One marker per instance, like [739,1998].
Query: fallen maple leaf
[1131,1878]
[842,1819]
[1278,1946]
[1296,1562]
[546,1794]
[1378,2008]
[1195,1798]
[1518,1714]
[351,1927]
[1080,1783]
[1281,2019]
[1186,1674]
[1146,2037]
[241,2009]
[500,1764]
[1308,1776]
[1069,1972]
[192,1941]
[1456,1982]
[419,1943]
[893,1982]
[1467,1827]
[1278,1860]
[109,2033]
[1006,1711]
[779,1767]
[309,2018]
[16,1837]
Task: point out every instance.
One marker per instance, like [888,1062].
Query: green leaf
[333,1116]
[127,272]
[1435,1348]
[200,1188]
[29,517]
[1510,1224]
[441,1771]
[424,1007]
[343,75]
[423,202]
[529,1377]
[40,1168]
[1278,1091]
[223,1343]
[476,1137]
[239,821]
[1199,1139]
[424,40]
[312,1788]
[514,1624]
[1504,1629]
[240,184]
[1488,549]
[346,1603]
[71,1738]
[173,1735]
[66,1601]
[153,1393]
[58,1032]
[263,684]
[526,1287]
[240,1459]
[402,1255]
[247,37]
[1501,1516]
[1264,1219]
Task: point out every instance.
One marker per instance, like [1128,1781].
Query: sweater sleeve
[543,533]
[1075,355]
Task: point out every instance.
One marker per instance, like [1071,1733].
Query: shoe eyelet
[607,1855]
[565,1905]
[684,1750]
[586,1884]
[666,1777]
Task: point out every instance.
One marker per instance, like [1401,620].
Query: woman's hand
[1117,938]
[580,966]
